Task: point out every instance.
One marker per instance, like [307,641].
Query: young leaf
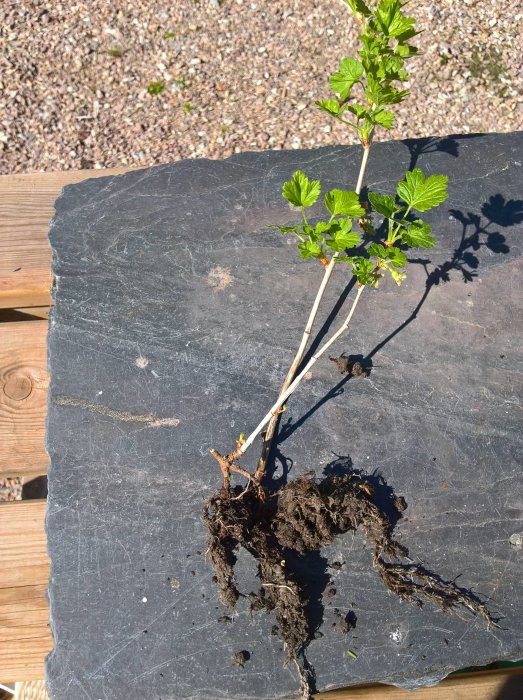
[417,235]
[350,72]
[391,19]
[300,191]
[384,204]
[421,192]
[310,249]
[332,107]
[358,110]
[377,250]
[322,227]
[396,256]
[342,239]
[345,203]
[286,229]
[363,270]
[383,117]
[358,7]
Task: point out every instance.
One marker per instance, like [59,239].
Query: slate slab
[176,314]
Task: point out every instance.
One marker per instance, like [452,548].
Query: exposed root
[302,517]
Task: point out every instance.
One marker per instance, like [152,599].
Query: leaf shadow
[477,232]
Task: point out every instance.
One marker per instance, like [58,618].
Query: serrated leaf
[392,68]
[384,94]
[300,191]
[309,249]
[358,110]
[332,107]
[383,117]
[384,204]
[322,227]
[363,269]
[350,71]
[342,240]
[417,235]
[396,256]
[285,229]
[358,7]
[377,250]
[406,51]
[344,203]
[391,19]
[421,192]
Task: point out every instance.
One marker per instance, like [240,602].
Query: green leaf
[300,191]
[377,250]
[358,7]
[392,68]
[384,204]
[332,107]
[391,19]
[343,239]
[310,249]
[406,51]
[322,227]
[417,235]
[286,229]
[396,256]
[358,110]
[345,203]
[350,71]
[363,269]
[383,117]
[421,192]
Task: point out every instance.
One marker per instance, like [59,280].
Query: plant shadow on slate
[286,526]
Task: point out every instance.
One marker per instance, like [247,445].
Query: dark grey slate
[177,312]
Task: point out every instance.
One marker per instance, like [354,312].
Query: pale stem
[271,428]
[294,384]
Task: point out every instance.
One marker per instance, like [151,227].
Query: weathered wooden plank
[26,208]
[25,638]
[485,685]
[31,690]
[23,398]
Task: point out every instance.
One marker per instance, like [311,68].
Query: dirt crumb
[350,365]
[219,278]
[241,658]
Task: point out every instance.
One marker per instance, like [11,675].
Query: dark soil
[301,518]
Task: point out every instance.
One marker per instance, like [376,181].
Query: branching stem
[273,422]
[274,410]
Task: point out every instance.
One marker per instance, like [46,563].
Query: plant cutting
[366,239]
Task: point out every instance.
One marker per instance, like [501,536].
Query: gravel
[231,76]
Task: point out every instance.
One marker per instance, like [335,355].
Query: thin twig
[293,386]
[271,428]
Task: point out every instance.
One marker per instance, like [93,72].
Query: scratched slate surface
[176,314]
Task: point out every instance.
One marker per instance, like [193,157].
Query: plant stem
[294,384]
[273,422]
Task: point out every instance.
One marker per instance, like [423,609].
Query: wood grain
[23,398]
[31,690]
[26,208]
[506,684]
[25,638]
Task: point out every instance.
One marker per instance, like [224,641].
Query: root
[304,516]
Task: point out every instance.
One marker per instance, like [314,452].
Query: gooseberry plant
[369,239]
[364,89]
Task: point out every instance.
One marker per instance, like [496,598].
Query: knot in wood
[18,386]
